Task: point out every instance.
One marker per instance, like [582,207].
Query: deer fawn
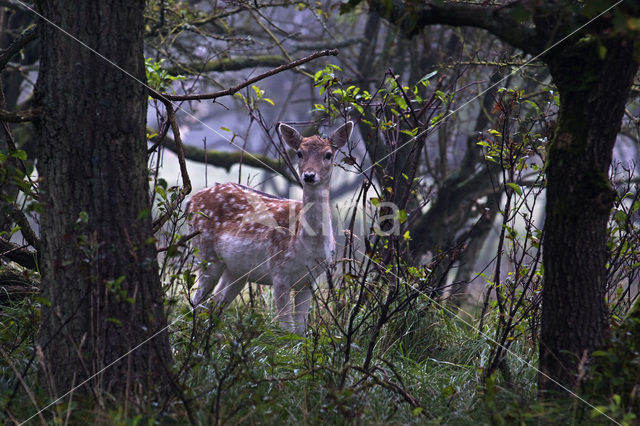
[247,235]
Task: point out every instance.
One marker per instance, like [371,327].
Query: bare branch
[498,20]
[183,241]
[216,16]
[168,97]
[20,116]
[25,228]
[227,64]
[21,41]
[186,181]
[19,254]
[226,160]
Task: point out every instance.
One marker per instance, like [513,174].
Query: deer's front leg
[302,302]
[208,278]
[282,296]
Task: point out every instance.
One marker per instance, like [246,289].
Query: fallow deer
[247,235]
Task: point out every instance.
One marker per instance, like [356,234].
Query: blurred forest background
[486,210]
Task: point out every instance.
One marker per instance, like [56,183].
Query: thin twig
[18,43]
[186,181]
[24,384]
[20,116]
[182,242]
[205,96]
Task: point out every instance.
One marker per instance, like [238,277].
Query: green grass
[239,367]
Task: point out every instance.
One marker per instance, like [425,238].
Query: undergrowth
[239,367]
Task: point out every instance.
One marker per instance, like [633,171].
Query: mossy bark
[99,265]
[592,89]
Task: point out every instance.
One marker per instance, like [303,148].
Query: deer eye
[328,156]
[299,154]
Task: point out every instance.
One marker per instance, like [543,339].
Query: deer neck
[316,214]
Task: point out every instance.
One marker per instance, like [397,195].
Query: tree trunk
[593,90]
[99,266]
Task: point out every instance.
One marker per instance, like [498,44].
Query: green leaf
[83,217]
[43,300]
[402,216]
[598,411]
[259,92]
[602,51]
[428,76]
[534,106]
[19,154]
[160,191]
[620,217]
[399,100]
[144,213]
[515,187]
[115,321]
[411,133]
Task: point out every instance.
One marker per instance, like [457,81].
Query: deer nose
[309,177]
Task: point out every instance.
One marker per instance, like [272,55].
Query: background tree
[593,67]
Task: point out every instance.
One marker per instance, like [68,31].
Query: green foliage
[515,150]
[157,77]
[400,101]
[615,377]
[238,366]
[252,98]
[15,172]
[246,368]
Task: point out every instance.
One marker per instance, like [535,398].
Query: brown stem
[19,116]
[186,181]
[16,46]
[168,97]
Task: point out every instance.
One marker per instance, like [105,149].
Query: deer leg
[282,296]
[228,288]
[302,302]
[207,280]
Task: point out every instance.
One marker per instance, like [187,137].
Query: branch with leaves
[227,64]
[166,97]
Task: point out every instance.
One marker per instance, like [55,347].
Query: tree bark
[99,266]
[593,91]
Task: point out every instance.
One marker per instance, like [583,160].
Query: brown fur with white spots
[247,235]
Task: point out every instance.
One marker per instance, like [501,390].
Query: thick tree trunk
[579,199]
[99,266]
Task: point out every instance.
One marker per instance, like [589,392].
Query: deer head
[315,154]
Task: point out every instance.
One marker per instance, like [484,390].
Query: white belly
[257,261]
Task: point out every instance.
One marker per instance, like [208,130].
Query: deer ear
[341,136]
[290,135]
